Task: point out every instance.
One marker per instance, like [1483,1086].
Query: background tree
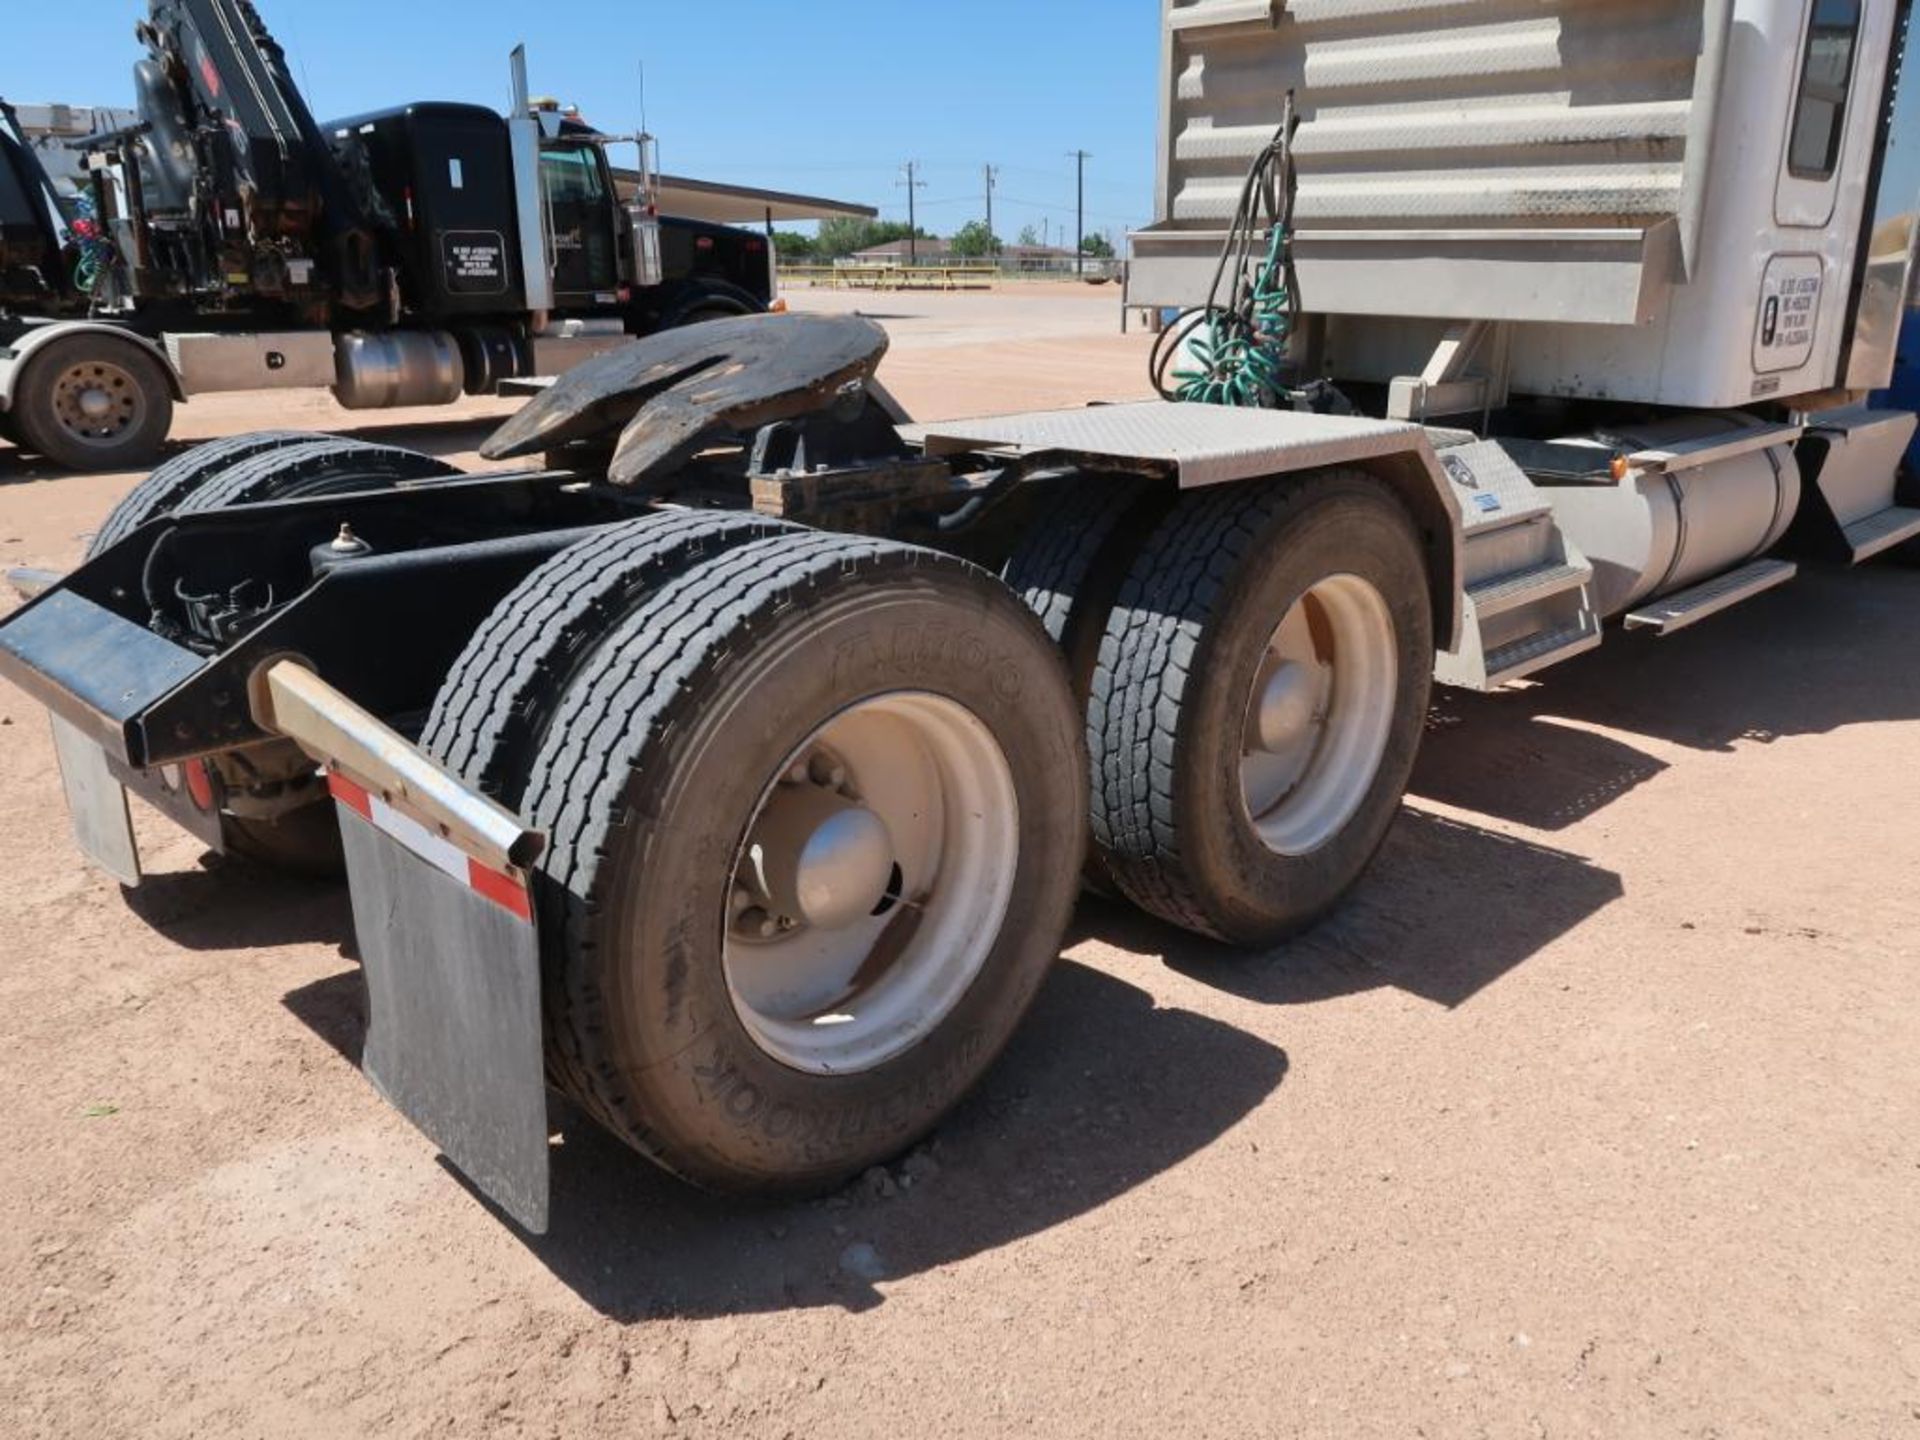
[1097,247]
[793,248]
[973,241]
[843,235]
[1029,235]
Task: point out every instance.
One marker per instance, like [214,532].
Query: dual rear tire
[1261,663]
[814,807]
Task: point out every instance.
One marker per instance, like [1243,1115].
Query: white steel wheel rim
[865,983]
[97,401]
[1320,715]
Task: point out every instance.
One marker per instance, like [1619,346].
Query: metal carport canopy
[739,204]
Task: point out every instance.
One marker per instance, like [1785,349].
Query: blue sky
[827,98]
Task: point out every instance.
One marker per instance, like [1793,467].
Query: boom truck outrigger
[405,257]
[734,769]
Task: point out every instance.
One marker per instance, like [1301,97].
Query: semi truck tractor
[228,241]
[733,767]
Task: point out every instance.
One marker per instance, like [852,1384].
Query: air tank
[1656,531]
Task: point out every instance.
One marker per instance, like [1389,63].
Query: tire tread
[486,719]
[1145,675]
[177,478]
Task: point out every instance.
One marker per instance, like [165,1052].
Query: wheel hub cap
[97,402]
[872,883]
[818,858]
[1287,708]
[1319,715]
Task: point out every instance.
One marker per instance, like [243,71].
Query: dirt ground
[1593,1113]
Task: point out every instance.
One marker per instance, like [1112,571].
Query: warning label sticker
[474,262]
[1789,313]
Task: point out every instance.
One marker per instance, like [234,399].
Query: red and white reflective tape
[507,890]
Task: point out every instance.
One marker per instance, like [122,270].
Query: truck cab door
[1834,35]
[581,219]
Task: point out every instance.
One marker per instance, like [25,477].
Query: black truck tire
[304,841]
[491,712]
[1230,798]
[710,300]
[703,713]
[94,402]
[179,477]
[244,469]
[325,465]
[1077,547]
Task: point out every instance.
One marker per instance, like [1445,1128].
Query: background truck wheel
[1259,698]
[815,811]
[91,402]
[179,477]
[710,300]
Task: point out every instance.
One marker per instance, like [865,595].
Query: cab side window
[1826,73]
[571,175]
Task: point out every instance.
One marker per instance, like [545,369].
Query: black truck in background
[228,241]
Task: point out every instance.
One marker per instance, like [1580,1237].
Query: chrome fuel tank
[1700,495]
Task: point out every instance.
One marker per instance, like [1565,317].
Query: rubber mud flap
[451,955]
[97,803]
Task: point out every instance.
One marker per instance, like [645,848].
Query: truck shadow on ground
[17,467]
[229,905]
[1831,649]
[445,438]
[1447,909]
[1101,1091]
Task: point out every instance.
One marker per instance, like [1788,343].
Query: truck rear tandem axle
[735,772]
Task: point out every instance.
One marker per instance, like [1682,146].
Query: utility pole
[992,175]
[913,225]
[1080,158]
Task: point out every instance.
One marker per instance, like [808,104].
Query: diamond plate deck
[1196,444]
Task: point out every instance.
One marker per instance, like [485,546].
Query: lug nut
[758,922]
[827,773]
